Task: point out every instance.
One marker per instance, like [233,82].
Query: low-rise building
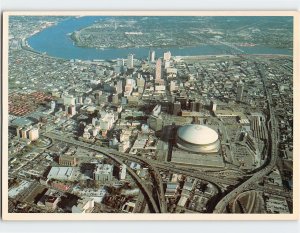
[103,172]
[61,173]
[85,205]
[68,160]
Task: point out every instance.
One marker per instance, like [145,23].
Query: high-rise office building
[120,62]
[172,86]
[80,100]
[115,99]
[183,102]
[240,91]
[158,70]
[140,81]
[213,106]
[25,133]
[130,61]
[176,108]
[34,134]
[193,106]
[119,87]
[167,56]
[72,110]
[19,132]
[151,56]
[167,64]
[198,106]
[69,100]
[155,122]
[52,104]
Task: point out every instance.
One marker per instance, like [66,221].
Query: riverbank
[55,41]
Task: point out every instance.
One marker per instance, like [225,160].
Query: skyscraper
[172,86]
[193,106]
[120,62]
[151,56]
[240,90]
[80,100]
[198,106]
[115,99]
[120,86]
[69,100]
[213,106]
[158,70]
[167,56]
[176,108]
[34,134]
[130,61]
[140,81]
[52,104]
[155,122]
[72,110]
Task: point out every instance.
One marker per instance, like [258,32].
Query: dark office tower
[198,106]
[189,104]
[173,99]
[183,102]
[240,90]
[19,132]
[176,108]
[193,106]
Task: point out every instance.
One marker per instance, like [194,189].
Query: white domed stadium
[198,139]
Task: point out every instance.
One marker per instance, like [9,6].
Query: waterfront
[55,41]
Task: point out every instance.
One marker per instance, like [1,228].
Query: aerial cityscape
[156,114]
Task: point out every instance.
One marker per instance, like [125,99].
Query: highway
[194,173]
[148,195]
[164,166]
[278,191]
[157,203]
[272,157]
[162,199]
[154,168]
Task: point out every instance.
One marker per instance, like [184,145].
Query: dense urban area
[158,134]
[162,32]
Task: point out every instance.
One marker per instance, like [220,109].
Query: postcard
[144,115]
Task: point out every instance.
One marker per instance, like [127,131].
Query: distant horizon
[41,42]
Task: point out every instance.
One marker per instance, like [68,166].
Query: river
[55,41]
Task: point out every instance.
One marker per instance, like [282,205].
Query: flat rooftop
[60,173]
[193,159]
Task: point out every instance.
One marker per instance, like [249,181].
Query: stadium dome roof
[197,134]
